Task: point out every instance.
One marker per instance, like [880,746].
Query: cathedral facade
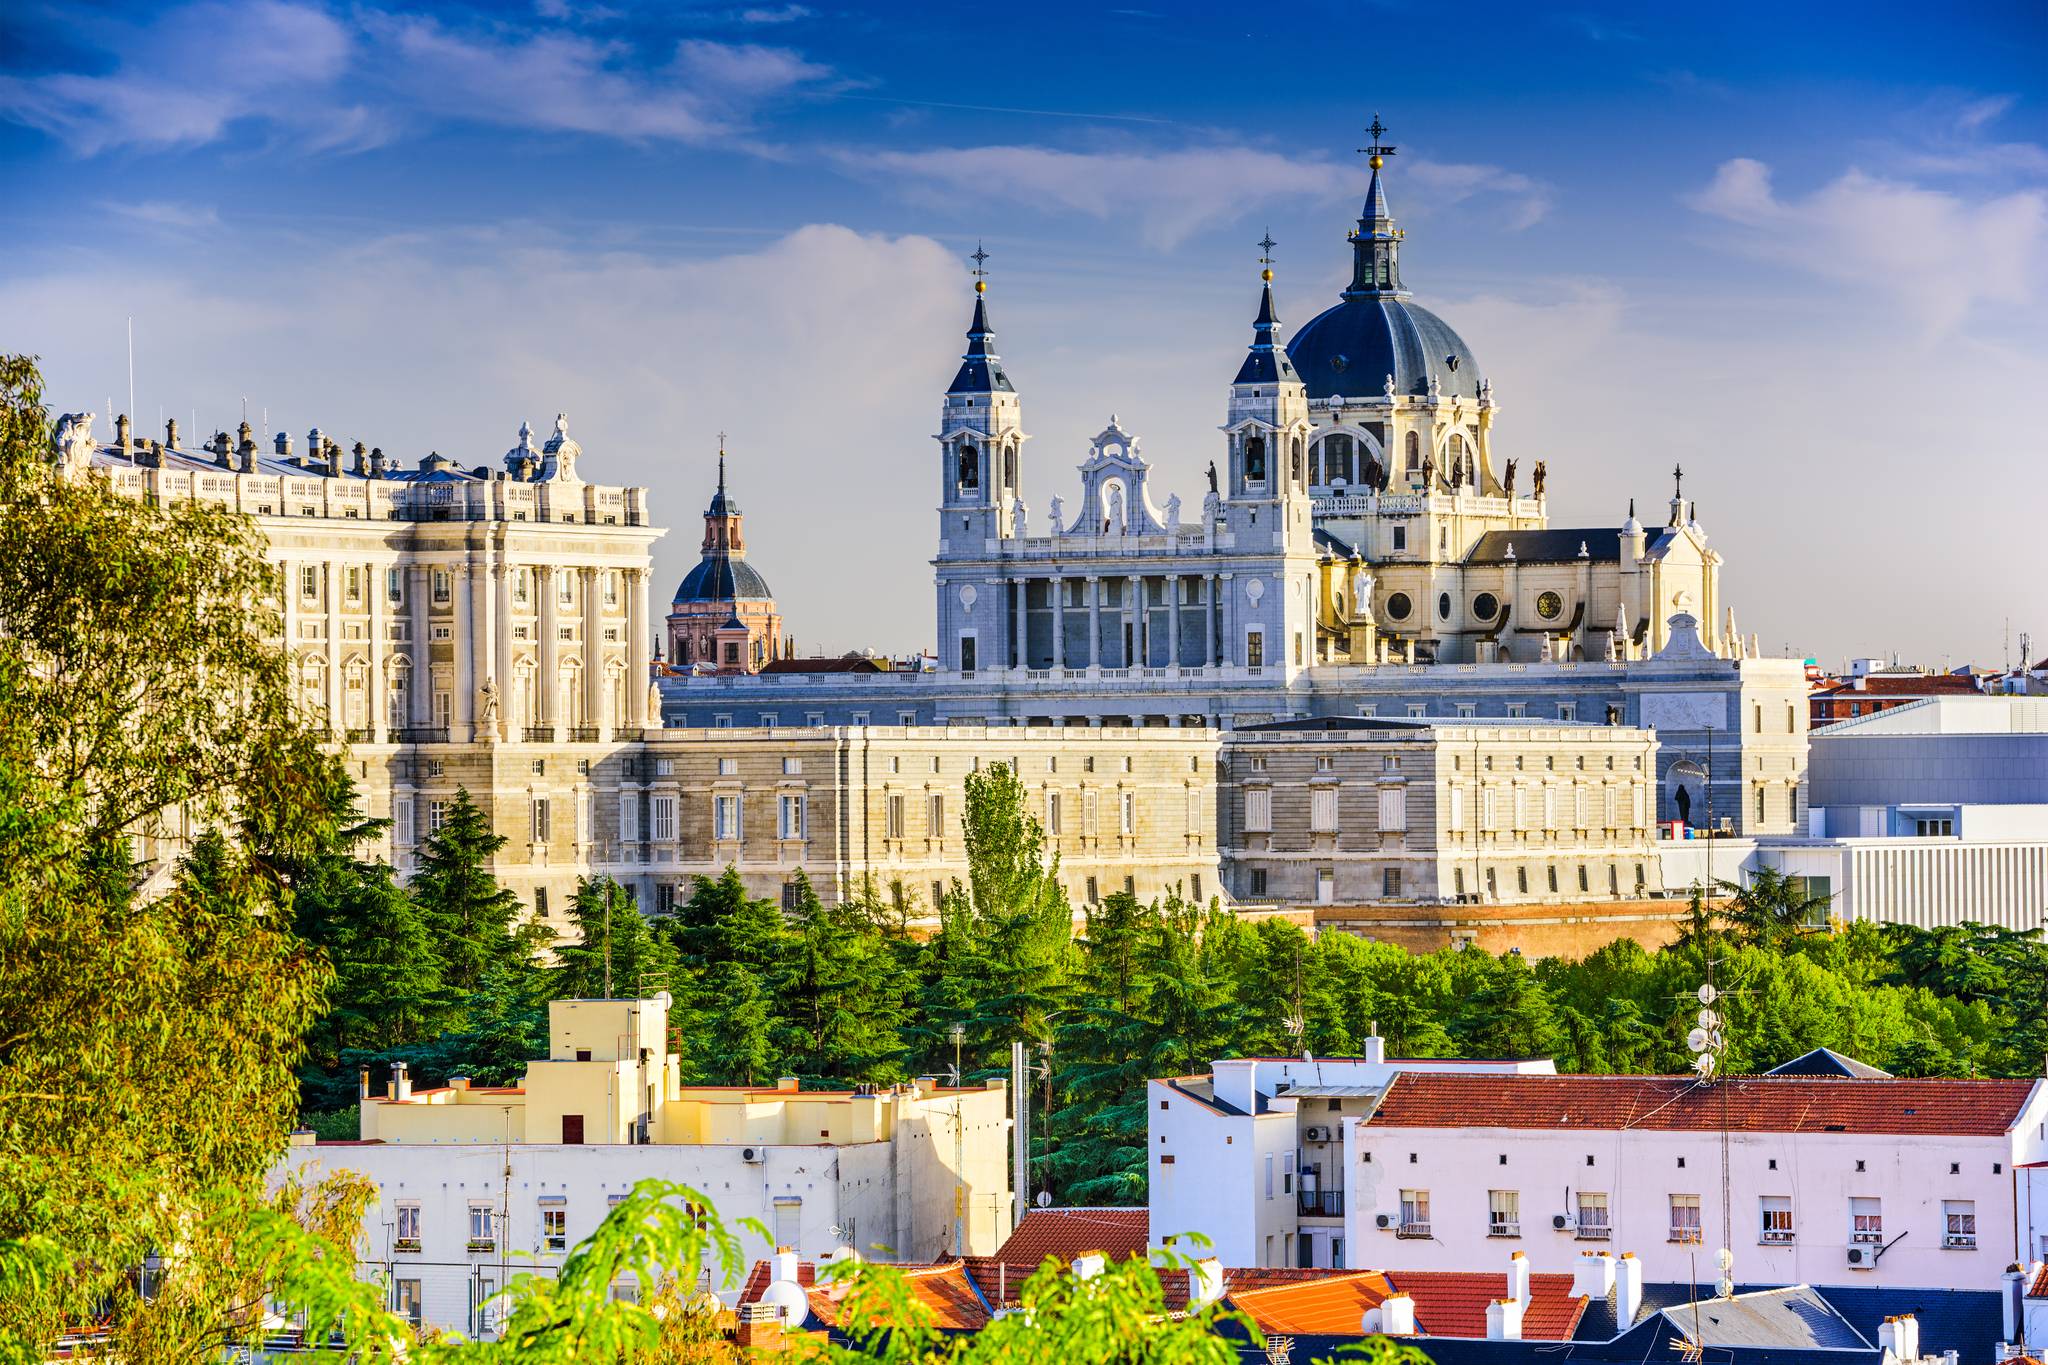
[1365,546]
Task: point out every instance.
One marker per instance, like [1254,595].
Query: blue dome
[718,578]
[1350,350]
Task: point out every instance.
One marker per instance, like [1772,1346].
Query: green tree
[739,1028]
[615,953]
[1771,909]
[474,920]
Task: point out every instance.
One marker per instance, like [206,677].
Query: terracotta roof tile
[1330,1305]
[763,1272]
[1452,1303]
[1782,1104]
[945,1289]
[1118,1233]
[2039,1288]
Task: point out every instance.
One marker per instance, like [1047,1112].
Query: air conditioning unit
[753,1156]
[1383,1221]
[1315,1133]
[1862,1256]
[1561,1221]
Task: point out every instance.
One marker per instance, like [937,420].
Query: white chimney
[1888,1334]
[1628,1289]
[2012,1287]
[1518,1278]
[1504,1320]
[1909,1337]
[401,1082]
[1375,1046]
[1205,1282]
[1594,1276]
[1397,1315]
[786,1266]
[1089,1264]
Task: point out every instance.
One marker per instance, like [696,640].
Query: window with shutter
[1258,810]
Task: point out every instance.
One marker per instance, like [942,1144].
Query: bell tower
[1267,431]
[980,435]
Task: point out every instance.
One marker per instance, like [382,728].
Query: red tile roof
[1331,1305]
[2039,1288]
[1779,1104]
[1118,1233]
[763,1273]
[1452,1303]
[1893,685]
[944,1289]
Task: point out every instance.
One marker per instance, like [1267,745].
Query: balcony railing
[538,734]
[1412,1230]
[359,735]
[1959,1241]
[422,734]
[1322,1203]
[1866,1236]
[1776,1237]
[1687,1235]
[405,1244]
[1497,1228]
[1594,1232]
[583,734]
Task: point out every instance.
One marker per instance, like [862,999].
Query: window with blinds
[1393,811]
[1322,810]
[1258,810]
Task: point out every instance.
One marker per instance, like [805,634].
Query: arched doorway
[1685,788]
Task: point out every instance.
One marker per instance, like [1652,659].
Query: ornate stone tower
[724,616]
[1268,430]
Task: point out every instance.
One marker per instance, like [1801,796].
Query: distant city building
[724,617]
[475,1184]
[1867,693]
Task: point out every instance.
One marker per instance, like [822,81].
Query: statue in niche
[1507,481]
[1375,473]
[1116,508]
[1457,470]
[487,702]
[1361,592]
[1212,478]
[1536,477]
[1428,472]
[1022,515]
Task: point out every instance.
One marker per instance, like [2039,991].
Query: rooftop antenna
[1708,1043]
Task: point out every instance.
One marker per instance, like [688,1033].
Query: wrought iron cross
[1266,244]
[1377,149]
[978,257]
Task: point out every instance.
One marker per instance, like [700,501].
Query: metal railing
[1594,1232]
[538,734]
[584,734]
[1498,1228]
[1411,1229]
[422,734]
[1322,1203]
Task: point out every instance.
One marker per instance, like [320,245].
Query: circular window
[1443,606]
[1398,606]
[1486,606]
[1340,363]
[1549,606]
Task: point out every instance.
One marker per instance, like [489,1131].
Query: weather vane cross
[1378,151]
[978,256]
[1266,245]
[721,443]
[1678,481]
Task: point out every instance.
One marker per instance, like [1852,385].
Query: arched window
[1457,447]
[1335,453]
[1009,466]
[1414,449]
[1255,459]
[970,465]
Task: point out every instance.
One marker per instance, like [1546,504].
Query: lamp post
[958,1035]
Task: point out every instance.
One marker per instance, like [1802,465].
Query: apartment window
[1503,1213]
[892,825]
[482,1289]
[792,767]
[725,817]
[1414,1213]
[408,1233]
[437,815]
[554,1227]
[1393,811]
[443,586]
[540,821]
[405,1300]
[1866,1220]
[791,822]
[935,816]
[1052,813]
[1593,1225]
[1322,810]
[480,1238]
[1258,810]
[1127,812]
[1685,1218]
[664,808]
[309,581]
[1777,1218]
[1959,1223]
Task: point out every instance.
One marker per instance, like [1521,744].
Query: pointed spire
[1376,245]
[721,505]
[981,369]
[1266,362]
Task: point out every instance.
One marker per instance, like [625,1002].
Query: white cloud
[744,70]
[1941,254]
[1525,200]
[165,213]
[779,14]
[195,72]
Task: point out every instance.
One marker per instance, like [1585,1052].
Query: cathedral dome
[720,578]
[1349,350]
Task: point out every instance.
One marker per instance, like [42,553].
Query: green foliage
[615,954]
[475,921]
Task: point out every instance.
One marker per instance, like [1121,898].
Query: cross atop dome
[1378,152]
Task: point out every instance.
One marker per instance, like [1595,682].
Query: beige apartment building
[1378,812]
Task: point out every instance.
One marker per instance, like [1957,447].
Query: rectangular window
[1592,1224]
[1866,1220]
[1393,810]
[401,821]
[1390,884]
[1685,1218]
[1255,649]
[405,1301]
[1127,812]
[725,818]
[1503,1213]
[437,815]
[1090,811]
[1326,886]
[791,823]
[1052,814]
[792,767]
[1518,710]
[1959,1223]
[664,810]
[480,1222]
[1322,810]
[935,816]
[540,822]
[1776,1210]
[1269,1175]
[629,817]
[788,1221]
[1489,808]
[1414,1213]
[394,584]
[1258,810]
[1454,797]
[444,586]
[554,1228]
[309,581]
[967,654]
[1258,881]
[408,1233]
[1194,810]
[482,1313]
[892,824]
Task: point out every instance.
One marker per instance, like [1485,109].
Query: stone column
[337,714]
[463,713]
[290,571]
[637,647]
[593,651]
[484,623]
[419,707]
[375,698]
[1212,627]
[1094,655]
[501,582]
[1225,617]
[547,674]
[1173,620]
[1059,621]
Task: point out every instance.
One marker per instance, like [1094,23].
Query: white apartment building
[1245,1155]
[476,1184]
[1805,1179]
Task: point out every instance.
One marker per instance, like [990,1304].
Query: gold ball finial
[981,286]
[1266,275]
[1377,161]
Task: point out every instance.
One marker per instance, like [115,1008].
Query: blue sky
[1797,248]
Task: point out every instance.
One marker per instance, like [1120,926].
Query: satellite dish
[1044,1199]
[1704,1064]
[1725,1259]
[1697,1040]
[1708,995]
[1709,1019]
[1725,1287]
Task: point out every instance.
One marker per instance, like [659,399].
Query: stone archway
[1685,793]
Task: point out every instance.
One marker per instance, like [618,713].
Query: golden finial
[1266,275]
[981,286]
